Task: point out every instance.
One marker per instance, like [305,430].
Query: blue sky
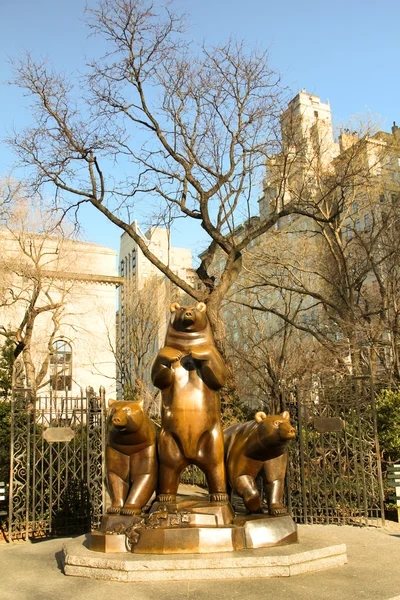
[344,51]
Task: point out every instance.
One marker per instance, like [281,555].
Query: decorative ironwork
[56,487]
[335,472]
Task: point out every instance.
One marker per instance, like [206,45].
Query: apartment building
[351,184]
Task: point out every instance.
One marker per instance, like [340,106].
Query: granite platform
[309,555]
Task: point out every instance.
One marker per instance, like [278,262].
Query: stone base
[283,561]
[187,541]
[102,542]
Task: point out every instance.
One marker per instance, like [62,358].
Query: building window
[358,225]
[61,366]
[122,268]
[367,222]
[355,206]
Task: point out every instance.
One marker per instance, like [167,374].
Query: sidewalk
[33,571]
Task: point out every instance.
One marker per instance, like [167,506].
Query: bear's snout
[188,317]
[119,420]
[287,432]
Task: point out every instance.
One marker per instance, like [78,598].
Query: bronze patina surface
[258,445]
[189,371]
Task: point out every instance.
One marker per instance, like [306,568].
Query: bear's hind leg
[245,486]
[172,463]
[210,459]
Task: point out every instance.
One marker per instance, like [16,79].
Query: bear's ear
[111,402]
[260,416]
[174,306]
[201,307]
[285,415]
[140,403]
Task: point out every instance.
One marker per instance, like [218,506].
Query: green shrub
[388,417]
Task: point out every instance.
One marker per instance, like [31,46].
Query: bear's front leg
[275,471]
[161,372]
[143,475]
[117,466]
[213,369]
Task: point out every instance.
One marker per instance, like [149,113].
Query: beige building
[355,181]
[63,292]
[134,265]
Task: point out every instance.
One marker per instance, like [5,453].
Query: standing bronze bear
[258,445]
[189,371]
[131,457]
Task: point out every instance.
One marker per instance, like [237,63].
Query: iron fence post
[378,453]
[301,452]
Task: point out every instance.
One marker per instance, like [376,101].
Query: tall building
[353,186]
[134,266]
[308,148]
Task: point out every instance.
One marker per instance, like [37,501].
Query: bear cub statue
[189,371]
[131,458]
[258,445]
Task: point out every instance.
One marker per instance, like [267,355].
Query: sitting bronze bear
[131,457]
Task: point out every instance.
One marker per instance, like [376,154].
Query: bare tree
[269,352]
[30,288]
[345,265]
[138,336]
[193,126]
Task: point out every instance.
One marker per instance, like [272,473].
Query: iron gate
[334,473]
[57,467]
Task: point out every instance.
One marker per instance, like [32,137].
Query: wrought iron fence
[334,473]
[57,465]
[58,471]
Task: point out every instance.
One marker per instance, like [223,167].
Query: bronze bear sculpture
[131,457]
[258,445]
[189,371]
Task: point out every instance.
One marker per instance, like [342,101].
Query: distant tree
[269,353]
[137,336]
[7,357]
[29,287]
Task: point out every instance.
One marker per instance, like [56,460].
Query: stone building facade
[71,289]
